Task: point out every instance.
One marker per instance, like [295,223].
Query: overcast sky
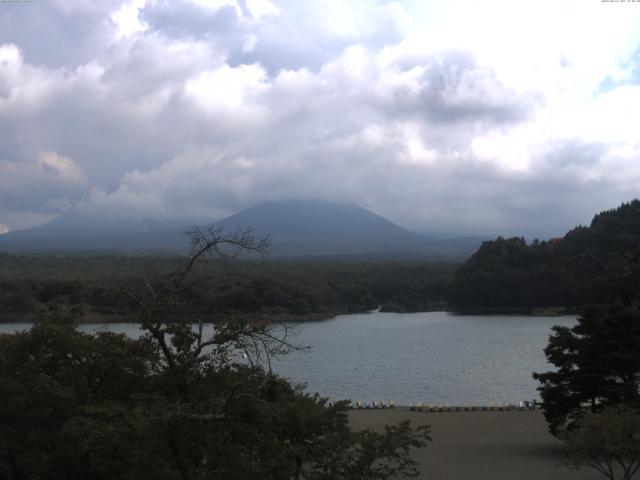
[479,116]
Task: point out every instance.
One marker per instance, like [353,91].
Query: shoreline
[480,445]
[528,311]
[95,318]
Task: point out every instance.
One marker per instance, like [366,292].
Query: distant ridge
[80,233]
[296,228]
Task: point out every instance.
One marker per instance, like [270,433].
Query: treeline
[588,265]
[89,288]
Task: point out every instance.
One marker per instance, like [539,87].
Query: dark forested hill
[588,265]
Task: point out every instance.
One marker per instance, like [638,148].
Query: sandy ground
[481,445]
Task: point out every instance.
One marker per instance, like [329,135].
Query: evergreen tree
[598,364]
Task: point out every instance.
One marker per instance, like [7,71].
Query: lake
[434,357]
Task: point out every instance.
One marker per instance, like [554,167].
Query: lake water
[433,357]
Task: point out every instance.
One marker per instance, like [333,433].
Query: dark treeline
[87,287]
[586,266]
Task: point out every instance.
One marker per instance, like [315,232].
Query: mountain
[309,227]
[79,233]
[317,228]
[590,264]
[296,228]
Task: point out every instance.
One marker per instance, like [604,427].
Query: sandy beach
[481,445]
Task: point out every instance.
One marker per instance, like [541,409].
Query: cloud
[127,21]
[40,182]
[438,120]
[227,91]
[62,166]
[59,33]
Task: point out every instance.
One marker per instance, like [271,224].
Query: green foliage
[78,406]
[54,379]
[572,271]
[598,364]
[174,404]
[608,441]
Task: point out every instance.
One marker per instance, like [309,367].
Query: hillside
[296,228]
[587,265]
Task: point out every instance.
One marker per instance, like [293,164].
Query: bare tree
[222,418]
[162,313]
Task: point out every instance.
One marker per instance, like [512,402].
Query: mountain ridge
[297,228]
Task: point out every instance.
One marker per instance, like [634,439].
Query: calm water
[431,357]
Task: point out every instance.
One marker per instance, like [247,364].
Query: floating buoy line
[447,407]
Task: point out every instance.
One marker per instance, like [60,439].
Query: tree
[608,441]
[176,404]
[598,363]
[68,396]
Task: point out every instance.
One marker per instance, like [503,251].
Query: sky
[479,117]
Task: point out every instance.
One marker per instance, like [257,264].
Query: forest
[588,265]
[87,288]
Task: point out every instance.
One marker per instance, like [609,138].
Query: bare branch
[211,241]
[139,302]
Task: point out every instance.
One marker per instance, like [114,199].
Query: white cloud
[261,8]
[415,152]
[457,115]
[217,4]
[227,90]
[127,19]
[23,83]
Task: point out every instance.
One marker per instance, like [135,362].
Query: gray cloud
[293,39]
[188,20]
[212,110]
[455,89]
[57,33]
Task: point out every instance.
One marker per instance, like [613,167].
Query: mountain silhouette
[295,228]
